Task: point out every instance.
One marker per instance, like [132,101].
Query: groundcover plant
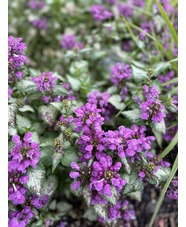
[92,103]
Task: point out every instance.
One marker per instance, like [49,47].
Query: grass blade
[158,205]
[170,146]
[170,82]
[169,24]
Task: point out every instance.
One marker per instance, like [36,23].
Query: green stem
[158,205]
[170,146]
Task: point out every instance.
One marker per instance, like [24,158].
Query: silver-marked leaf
[70,156]
[59,90]
[90,214]
[159,137]
[101,210]
[23,124]
[35,137]
[87,194]
[134,116]
[139,74]
[57,105]
[26,86]
[159,127]
[75,83]
[160,67]
[162,174]
[49,185]
[46,155]
[126,164]
[116,101]
[78,192]
[133,184]
[56,159]
[36,179]
[48,114]
[26,108]
[78,67]
[136,195]
[12,130]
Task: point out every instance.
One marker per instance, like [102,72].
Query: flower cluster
[172,192]
[16,57]
[120,74]
[24,154]
[104,176]
[89,120]
[125,10]
[128,142]
[45,81]
[152,109]
[69,42]
[99,13]
[36,5]
[40,23]
[102,103]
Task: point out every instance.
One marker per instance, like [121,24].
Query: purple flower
[104,175]
[45,81]
[168,76]
[125,10]
[24,154]
[16,57]
[40,23]
[36,5]
[102,103]
[69,42]
[152,109]
[120,74]
[99,13]
[172,192]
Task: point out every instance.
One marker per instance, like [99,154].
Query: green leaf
[12,130]
[36,179]
[26,86]
[49,185]
[139,74]
[170,82]
[85,50]
[126,164]
[23,124]
[46,155]
[59,90]
[158,136]
[78,67]
[64,206]
[169,24]
[134,116]
[48,114]
[133,184]
[57,105]
[35,137]
[70,156]
[90,214]
[35,96]
[160,200]
[162,174]
[101,210]
[26,108]
[56,159]
[160,67]
[87,194]
[75,83]
[115,100]
[113,199]
[159,127]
